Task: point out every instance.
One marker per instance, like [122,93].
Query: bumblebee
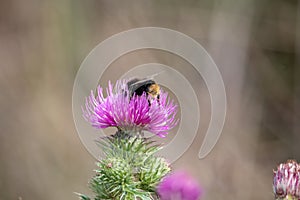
[139,86]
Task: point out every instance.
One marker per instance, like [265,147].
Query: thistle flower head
[179,186]
[136,113]
[286,182]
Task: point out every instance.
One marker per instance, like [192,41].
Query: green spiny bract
[130,170]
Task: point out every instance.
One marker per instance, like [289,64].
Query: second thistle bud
[286,182]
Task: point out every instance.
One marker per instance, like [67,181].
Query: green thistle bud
[130,170]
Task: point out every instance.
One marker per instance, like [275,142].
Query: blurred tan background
[42,44]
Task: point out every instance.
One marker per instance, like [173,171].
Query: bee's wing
[133,84]
[154,75]
[136,83]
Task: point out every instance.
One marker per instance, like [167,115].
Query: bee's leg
[149,103]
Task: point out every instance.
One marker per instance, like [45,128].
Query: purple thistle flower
[130,114]
[179,186]
[286,182]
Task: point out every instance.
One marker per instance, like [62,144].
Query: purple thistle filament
[286,180]
[130,113]
[179,186]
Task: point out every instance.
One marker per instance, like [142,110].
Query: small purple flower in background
[179,186]
[130,113]
[286,183]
